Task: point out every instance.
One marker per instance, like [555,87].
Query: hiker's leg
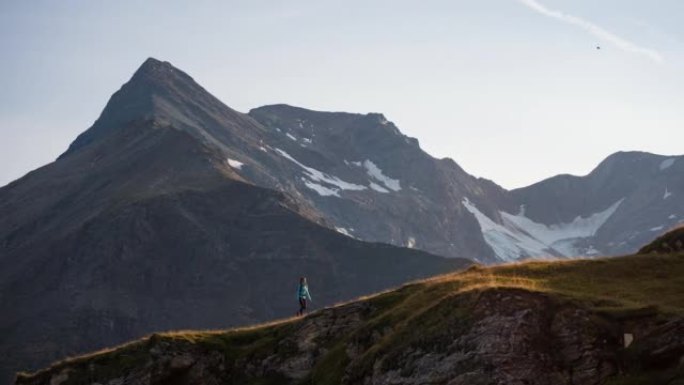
[302,306]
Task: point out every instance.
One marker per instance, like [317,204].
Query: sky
[513,90]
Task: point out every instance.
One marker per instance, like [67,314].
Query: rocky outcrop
[492,336]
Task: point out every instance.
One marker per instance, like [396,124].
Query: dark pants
[302,306]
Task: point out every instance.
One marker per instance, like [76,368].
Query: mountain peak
[153,63]
[159,70]
[160,92]
[633,160]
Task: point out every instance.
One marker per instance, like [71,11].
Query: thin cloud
[594,29]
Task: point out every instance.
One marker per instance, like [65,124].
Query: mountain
[358,174]
[143,225]
[374,183]
[582,322]
[620,205]
[368,180]
[175,211]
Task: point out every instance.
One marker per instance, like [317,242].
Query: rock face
[493,336]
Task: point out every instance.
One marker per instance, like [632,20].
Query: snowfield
[518,236]
[508,244]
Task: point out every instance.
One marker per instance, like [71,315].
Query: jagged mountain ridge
[624,202]
[646,188]
[359,174]
[363,177]
[621,204]
[339,170]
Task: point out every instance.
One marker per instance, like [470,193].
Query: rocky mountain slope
[404,196]
[628,199]
[144,225]
[605,321]
[360,175]
[356,173]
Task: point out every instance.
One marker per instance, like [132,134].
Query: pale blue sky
[513,90]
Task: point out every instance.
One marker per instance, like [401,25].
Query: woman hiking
[303,295]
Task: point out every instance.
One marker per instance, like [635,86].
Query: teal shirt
[303,292]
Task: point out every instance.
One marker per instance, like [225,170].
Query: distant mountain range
[175,211]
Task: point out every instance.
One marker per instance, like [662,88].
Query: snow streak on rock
[667,163]
[375,173]
[317,180]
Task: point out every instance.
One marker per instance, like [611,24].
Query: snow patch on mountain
[657,228]
[509,244]
[344,231]
[579,228]
[313,176]
[411,242]
[667,194]
[236,164]
[378,188]
[320,189]
[518,236]
[667,163]
[291,136]
[376,173]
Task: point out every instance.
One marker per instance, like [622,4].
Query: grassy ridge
[616,286]
[622,282]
